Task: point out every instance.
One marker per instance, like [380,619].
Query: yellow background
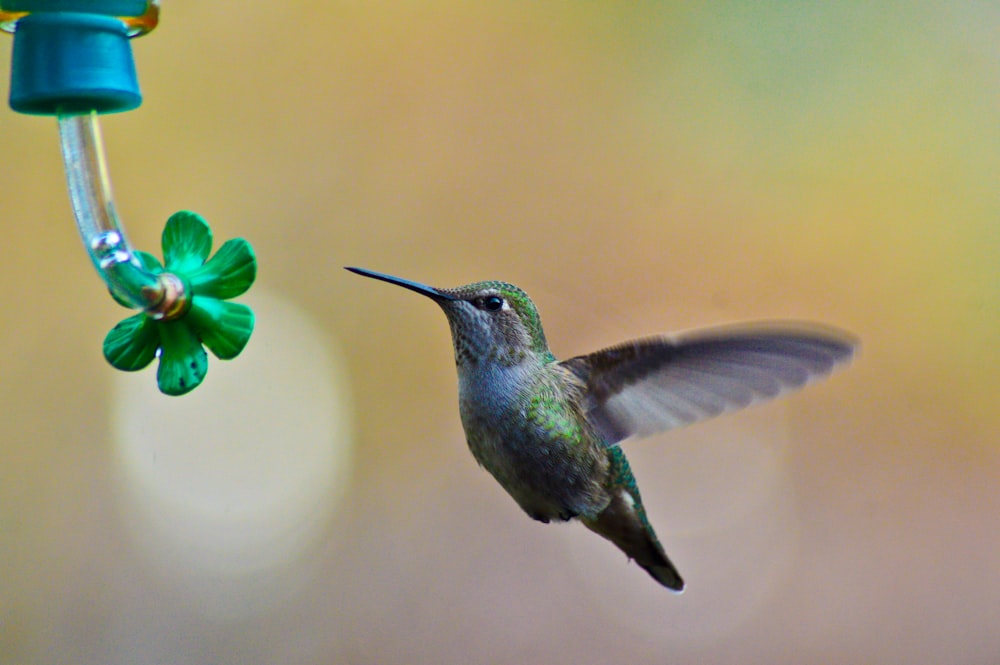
[637,168]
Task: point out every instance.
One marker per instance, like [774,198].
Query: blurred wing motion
[650,385]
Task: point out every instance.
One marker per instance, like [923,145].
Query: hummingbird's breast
[523,424]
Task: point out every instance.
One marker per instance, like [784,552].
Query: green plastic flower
[202,317]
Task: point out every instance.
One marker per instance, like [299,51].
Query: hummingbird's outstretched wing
[651,385]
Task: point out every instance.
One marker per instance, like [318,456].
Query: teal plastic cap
[72,62]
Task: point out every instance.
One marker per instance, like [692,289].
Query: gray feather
[651,385]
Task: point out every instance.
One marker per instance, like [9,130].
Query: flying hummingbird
[548,430]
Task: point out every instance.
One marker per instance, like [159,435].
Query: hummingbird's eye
[491,303]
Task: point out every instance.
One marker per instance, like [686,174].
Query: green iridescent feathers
[518,301]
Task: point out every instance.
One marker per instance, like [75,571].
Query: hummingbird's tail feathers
[624,523]
[667,575]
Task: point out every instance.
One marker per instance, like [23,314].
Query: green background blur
[637,168]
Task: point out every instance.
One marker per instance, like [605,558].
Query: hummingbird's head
[490,321]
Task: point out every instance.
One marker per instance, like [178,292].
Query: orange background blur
[637,168]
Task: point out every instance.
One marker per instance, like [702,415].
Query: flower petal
[148,262]
[224,327]
[187,241]
[183,361]
[227,274]
[132,344]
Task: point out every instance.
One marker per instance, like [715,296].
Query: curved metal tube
[90,195]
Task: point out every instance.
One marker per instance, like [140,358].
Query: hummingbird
[549,430]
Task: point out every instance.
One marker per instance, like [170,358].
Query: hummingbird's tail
[624,523]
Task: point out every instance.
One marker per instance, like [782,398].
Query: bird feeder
[72,59]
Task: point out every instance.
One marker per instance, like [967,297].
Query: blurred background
[637,168]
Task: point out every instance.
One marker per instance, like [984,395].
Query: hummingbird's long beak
[405,283]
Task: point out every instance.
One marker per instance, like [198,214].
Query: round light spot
[226,487]
[719,497]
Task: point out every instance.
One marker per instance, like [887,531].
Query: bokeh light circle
[720,497]
[231,484]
